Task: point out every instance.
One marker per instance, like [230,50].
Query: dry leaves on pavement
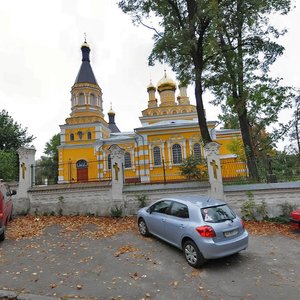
[30,226]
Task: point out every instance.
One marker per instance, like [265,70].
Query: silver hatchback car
[204,228]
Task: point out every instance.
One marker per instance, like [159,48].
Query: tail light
[206,231]
[1,216]
[243,223]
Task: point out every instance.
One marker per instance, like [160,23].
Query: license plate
[231,233]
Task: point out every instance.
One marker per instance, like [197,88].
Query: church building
[169,133]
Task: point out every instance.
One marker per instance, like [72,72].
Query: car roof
[198,200]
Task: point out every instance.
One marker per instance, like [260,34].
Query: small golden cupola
[166,88]
[183,98]
[151,89]
[86,94]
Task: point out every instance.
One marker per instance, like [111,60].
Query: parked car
[204,228]
[295,218]
[6,207]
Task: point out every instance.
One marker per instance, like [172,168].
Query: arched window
[177,154]
[81,164]
[156,156]
[184,111]
[81,99]
[164,112]
[154,114]
[72,137]
[109,162]
[93,100]
[197,151]
[79,133]
[127,160]
[89,135]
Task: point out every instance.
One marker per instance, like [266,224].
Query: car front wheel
[143,229]
[192,254]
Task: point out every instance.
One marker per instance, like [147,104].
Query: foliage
[8,165]
[47,166]
[192,168]
[285,208]
[116,211]
[142,199]
[294,134]
[181,39]
[251,211]
[12,136]
[239,76]
[236,147]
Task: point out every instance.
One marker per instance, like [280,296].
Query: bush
[116,211]
[251,211]
[142,200]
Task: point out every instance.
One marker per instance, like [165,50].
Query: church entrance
[82,171]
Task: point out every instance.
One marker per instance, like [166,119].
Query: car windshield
[215,214]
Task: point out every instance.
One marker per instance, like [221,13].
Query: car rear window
[216,214]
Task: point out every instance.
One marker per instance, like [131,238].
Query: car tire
[11,215]
[143,229]
[2,236]
[192,254]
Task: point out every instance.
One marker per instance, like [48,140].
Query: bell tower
[86,94]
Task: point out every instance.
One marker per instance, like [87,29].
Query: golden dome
[85,44]
[166,82]
[151,86]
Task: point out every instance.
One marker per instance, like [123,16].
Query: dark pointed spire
[86,73]
[111,120]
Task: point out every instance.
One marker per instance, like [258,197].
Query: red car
[6,207]
[295,218]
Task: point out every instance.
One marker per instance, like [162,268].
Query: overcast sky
[40,57]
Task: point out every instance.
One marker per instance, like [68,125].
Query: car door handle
[181,226]
[163,220]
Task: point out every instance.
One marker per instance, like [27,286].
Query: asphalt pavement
[128,266]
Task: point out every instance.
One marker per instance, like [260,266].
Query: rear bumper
[211,249]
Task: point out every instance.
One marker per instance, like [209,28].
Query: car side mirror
[149,210]
[13,192]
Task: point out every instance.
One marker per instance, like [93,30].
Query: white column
[150,156]
[26,170]
[214,170]
[169,154]
[184,148]
[117,162]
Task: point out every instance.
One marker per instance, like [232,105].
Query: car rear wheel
[143,229]
[192,254]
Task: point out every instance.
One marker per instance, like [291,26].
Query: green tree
[8,165]
[47,166]
[295,129]
[181,38]
[12,136]
[193,168]
[239,75]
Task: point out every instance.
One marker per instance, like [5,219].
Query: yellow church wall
[67,163]
[84,135]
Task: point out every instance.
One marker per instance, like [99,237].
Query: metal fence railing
[234,171]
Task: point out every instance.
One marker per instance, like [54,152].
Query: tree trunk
[247,141]
[200,108]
